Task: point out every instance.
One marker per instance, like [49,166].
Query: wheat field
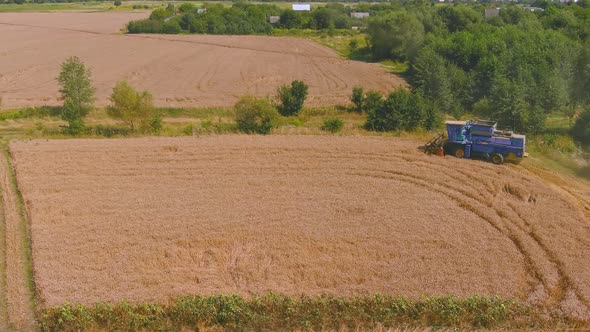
[179,70]
[150,219]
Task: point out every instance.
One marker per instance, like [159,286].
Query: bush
[291,98]
[255,115]
[581,129]
[171,27]
[357,99]
[400,111]
[332,125]
[134,108]
[145,26]
[118,3]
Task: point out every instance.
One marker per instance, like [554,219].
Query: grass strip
[3,281]
[280,312]
[25,229]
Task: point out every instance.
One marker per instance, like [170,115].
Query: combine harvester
[481,138]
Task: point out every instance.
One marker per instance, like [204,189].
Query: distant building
[491,13]
[301,7]
[274,19]
[533,9]
[359,15]
[201,10]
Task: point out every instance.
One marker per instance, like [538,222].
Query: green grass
[395,67]
[196,113]
[279,312]
[3,281]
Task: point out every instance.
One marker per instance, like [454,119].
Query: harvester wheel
[459,153]
[497,158]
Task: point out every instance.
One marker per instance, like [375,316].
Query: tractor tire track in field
[18,269]
[522,234]
[514,225]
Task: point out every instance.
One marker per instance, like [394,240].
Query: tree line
[242,18]
[516,67]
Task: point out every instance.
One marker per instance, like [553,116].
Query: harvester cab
[480,138]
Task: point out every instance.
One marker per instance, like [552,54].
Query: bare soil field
[180,70]
[150,219]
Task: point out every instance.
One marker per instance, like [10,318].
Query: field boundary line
[26,312]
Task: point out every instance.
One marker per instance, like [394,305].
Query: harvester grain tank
[481,138]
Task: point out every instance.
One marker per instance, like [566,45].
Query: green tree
[429,76]
[581,89]
[581,128]
[118,3]
[134,108]
[397,35]
[459,17]
[255,115]
[170,8]
[171,27]
[291,98]
[187,8]
[401,110]
[373,101]
[160,14]
[75,81]
[357,99]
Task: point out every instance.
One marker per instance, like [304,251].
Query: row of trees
[241,18]
[134,108]
[137,111]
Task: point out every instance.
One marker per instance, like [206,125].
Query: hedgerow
[280,312]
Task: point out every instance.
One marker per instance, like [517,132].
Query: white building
[359,15]
[301,7]
[274,19]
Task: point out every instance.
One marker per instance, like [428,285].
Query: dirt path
[18,294]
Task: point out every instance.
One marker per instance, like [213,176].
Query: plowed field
[180,70]
[153,218]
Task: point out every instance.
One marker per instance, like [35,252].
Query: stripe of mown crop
[281,312]
[25,233]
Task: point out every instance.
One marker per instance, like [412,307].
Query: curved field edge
[279,312]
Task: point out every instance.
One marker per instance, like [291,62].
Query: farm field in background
[150,219]
[180,70]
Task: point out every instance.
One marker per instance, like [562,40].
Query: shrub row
[279,312]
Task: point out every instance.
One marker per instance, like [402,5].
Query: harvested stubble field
[150,219]
[180,70]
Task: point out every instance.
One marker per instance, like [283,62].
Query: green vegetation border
[25,229]
[280,312]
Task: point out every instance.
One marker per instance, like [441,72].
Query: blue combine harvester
[481,138]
